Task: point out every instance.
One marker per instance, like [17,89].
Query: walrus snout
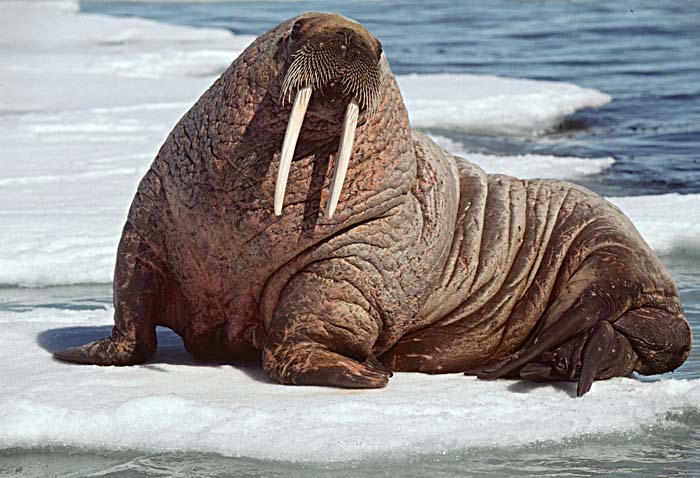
[333,55]
[337,60]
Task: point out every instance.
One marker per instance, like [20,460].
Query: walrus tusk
[296,118]
[344,150]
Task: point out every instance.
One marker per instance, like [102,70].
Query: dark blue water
[645,54]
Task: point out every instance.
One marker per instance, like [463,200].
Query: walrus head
[335,61]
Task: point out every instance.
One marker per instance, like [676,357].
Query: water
[653,452]
[641,54]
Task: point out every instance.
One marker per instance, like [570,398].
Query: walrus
[293,215]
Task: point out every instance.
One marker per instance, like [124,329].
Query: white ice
[528,165]
[85,102]
[670,223]
[492,104]
[173,403]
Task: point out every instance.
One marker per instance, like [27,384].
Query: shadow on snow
[170,350]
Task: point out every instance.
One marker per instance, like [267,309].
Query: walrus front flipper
[138,295]
[105,352]
[323,331]
[310,365]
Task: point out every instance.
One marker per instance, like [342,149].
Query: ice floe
[173,403]
[491,104]
[528,165]
[670,223]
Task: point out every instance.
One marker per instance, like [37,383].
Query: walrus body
[429,264]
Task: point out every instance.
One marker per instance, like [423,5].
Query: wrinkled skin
[429,264]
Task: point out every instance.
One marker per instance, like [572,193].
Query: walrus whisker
[296,118]
[347,138]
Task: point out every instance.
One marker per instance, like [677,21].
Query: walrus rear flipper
[588,334]
[107,352]
[597,354]
[574,340]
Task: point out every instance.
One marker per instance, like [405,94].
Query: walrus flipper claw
[373,362]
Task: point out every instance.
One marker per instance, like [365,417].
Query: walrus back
[516,246]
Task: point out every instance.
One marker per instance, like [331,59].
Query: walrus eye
[296,30]
[378,45]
